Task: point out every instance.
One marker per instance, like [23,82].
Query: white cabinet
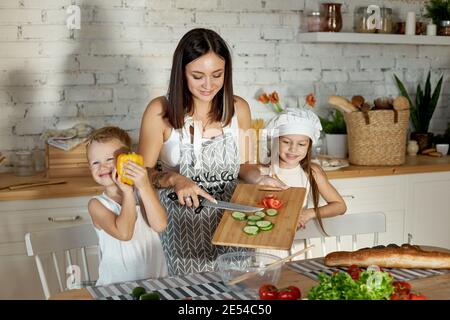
[428,209]
[18,274]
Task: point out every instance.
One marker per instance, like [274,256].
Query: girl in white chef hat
[293,132]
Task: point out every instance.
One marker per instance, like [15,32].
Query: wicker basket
[377,137]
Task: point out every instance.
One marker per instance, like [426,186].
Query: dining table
[434,284]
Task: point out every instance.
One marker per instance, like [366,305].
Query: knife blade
[229,206]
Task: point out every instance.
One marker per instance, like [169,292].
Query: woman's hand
[188,192]
[125,188]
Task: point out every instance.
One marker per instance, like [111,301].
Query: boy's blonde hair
[106,134]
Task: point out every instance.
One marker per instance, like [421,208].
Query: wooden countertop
[74,187]
[84,186]
[413,164]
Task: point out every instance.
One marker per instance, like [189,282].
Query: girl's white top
[141,257]
[295,177]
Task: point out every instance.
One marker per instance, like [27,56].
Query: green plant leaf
[334,123]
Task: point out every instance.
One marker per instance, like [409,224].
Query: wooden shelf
[353,37]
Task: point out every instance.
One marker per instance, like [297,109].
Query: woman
[194,133]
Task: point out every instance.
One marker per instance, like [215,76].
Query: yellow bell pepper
[124,157]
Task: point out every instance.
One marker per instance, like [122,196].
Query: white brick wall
[107,72]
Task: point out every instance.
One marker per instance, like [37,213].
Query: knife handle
[200,207]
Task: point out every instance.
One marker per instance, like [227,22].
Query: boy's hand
[122,186]
[138,174]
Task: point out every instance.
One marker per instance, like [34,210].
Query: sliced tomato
[275,203]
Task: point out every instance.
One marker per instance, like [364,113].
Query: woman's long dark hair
[193,45]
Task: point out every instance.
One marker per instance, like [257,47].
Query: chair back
[344,225]
[54,241]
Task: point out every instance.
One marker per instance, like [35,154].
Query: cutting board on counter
[229,231]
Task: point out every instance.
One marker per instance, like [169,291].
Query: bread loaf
[392,256]
[401,103]
[342,104]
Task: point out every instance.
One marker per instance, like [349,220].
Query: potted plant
[422,109]
[439,12]
[335,134]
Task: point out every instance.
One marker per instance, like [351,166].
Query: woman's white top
[141,257]
[169,155]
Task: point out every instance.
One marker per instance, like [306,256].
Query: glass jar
[387,23]
[361,17]
[24,163]
[333,17]
[314,21]
[444,28]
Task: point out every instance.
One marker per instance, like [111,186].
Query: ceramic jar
[412,148]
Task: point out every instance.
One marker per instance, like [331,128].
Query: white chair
[58,240]
[344,225]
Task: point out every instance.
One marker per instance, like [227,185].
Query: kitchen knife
[228,206]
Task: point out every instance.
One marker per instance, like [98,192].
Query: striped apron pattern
[214,165]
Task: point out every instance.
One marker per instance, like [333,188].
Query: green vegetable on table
[371,285]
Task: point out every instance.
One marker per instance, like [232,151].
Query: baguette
[342,104]
[392,256]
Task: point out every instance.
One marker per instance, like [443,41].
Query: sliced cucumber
[263,224]
[251,223]
[254,218]
[267,228]
[239,216]
[260,214]
[271,212]
[251,230]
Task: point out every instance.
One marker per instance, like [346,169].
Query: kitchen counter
[84,186]
[413,164]
[74,187]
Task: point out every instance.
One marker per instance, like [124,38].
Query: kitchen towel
[200,286]
[311,268]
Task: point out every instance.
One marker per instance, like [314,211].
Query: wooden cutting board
[229,231]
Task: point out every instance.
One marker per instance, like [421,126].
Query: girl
[130,248]
[193,131]
[294,131]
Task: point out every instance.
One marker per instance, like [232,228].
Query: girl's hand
[304,217]
[137,174]
[272,182]
[188,192]
[125,188]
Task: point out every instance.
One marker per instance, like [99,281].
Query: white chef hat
[295,121]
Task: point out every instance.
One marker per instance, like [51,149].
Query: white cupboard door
[428,209]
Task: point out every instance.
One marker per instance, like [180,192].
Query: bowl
[234,264]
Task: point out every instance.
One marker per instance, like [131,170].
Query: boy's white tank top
[140,258]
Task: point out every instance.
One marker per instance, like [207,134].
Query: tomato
[399,297]
[271,202]
[275,203]
[268,292]
[354,271]
[401,287]
[289,293]
[413,296]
